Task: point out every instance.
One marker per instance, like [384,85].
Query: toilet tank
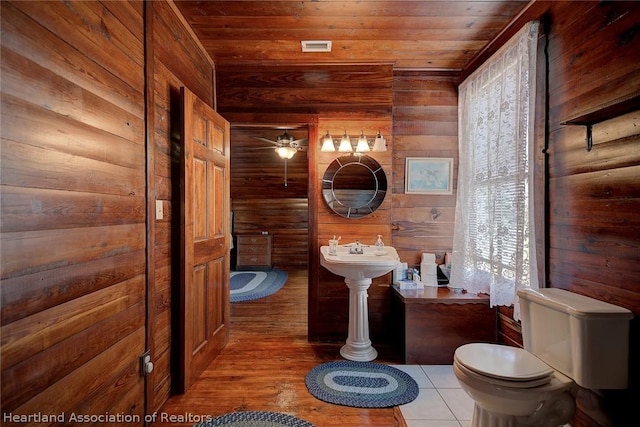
[584,338]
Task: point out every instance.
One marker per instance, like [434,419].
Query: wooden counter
[433,322]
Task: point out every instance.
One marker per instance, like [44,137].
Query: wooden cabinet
[435,321]
[254,252]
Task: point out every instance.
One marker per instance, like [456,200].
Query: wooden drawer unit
[254,252]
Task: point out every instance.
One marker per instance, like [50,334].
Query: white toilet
[569,340]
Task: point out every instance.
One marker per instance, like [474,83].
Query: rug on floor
[251,285]
[255,419]
[361,384]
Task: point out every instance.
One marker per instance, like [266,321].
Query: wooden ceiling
[408,35]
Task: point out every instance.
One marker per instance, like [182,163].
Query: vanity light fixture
[362,146]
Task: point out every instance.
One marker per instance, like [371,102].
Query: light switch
[159,213]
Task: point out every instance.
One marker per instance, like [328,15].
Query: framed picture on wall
[428,175]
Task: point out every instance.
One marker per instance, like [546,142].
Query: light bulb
[379,144]
[345,143]
[327,143]
[363,145]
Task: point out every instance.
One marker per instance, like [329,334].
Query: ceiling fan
[286,146]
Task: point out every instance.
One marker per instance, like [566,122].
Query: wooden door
[205,236]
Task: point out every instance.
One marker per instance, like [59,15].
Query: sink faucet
[356,248]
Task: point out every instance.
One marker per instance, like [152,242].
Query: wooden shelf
[603,113]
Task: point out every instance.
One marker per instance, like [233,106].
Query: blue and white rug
[250,285]
[255,419]
[361,384]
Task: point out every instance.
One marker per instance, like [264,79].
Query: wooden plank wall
[425,124]
[73,208]
[311,89]
[259,173]
[329,309]
[285,219]
[175,59]
[594,226]
[261,202]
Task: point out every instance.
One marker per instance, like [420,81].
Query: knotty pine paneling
[304,89]
[612,32]
[257,172]
[509,330]
[409,34]
[285,219]
[425,120]
[594,197]
[175,59]
[82,346]
[72,215]
[85,29]
[265,198]
[178,47]
[329,307]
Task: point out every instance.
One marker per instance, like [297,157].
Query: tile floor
[441,402]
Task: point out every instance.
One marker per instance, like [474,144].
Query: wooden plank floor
[264,366]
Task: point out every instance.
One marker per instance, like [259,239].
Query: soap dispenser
[379,244]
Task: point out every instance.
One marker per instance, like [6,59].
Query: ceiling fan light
[379,144]
[345,143]
[363,145]
[286,152]
[327,143]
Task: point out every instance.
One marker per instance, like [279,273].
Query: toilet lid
[502,362]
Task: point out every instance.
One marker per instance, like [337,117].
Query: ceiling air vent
[316,45]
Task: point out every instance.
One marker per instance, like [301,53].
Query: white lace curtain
[494,244]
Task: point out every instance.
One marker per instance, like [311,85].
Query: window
[493,248]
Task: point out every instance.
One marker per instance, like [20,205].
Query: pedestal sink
[358,270]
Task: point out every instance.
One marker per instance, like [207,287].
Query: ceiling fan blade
[300,141]
[260,148]
[266,140]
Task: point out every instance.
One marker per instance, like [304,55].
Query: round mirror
[354,186]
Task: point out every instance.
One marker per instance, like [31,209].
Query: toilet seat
[504,384]
[502,365]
